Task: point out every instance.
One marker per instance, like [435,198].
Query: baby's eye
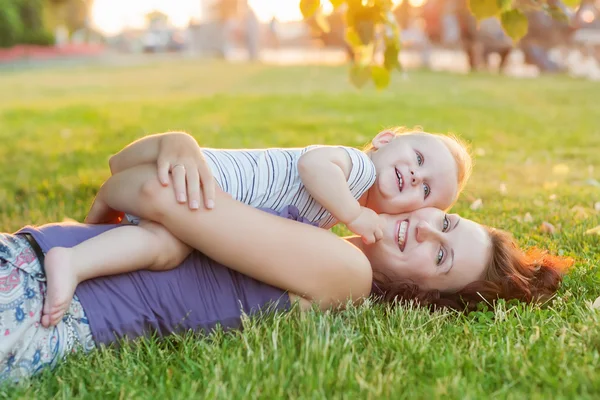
[426,190]
[446,223]
[419,158]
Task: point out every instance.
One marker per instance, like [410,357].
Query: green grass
[60,125]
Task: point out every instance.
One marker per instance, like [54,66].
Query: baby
[400,171]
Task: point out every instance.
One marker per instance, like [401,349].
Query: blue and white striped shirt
[269,178]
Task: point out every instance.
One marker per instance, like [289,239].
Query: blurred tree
[72,14]
[11,26]
[373,33]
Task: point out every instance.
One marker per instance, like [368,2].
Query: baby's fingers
[378,234]
[368,239]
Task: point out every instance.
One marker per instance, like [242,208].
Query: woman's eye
[440,256]
[446,223]
[426,190]
[419,158]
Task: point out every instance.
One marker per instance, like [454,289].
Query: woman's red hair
[533,276]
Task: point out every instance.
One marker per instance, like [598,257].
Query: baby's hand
[367,225]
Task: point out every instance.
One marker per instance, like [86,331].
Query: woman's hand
[180,155]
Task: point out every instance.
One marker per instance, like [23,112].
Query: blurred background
[435,34]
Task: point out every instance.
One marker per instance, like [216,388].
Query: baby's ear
[382,139]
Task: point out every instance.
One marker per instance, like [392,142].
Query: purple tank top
[197,295]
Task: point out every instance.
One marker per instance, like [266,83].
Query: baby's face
[413,171]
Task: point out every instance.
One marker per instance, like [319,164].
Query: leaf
[352,38]
[596,304]
[309,7]
[390,56]
[476,205]
[484,8]
[580,212]
[321,21]
[365,30]
[560,169]
[593,231]
[503,189]
[504,5]
[359,75]
[558,14]
[515,24]
[547,227]
[381,77]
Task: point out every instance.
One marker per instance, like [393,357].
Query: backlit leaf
[322,21]
[309,7]
[381,77]
[352,38]
[390,56]
[365,30]
[484,8]
[514,23]
[359,75]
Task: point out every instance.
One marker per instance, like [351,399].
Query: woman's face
[433,249]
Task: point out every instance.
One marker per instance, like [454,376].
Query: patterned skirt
[26,347]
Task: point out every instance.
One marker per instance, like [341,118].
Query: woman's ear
[382,139]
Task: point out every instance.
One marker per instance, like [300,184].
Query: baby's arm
[324,172]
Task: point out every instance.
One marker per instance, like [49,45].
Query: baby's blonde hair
[459,149]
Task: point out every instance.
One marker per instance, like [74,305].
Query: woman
[440,260]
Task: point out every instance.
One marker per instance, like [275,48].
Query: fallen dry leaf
[547,227]
[528,218]
[550,185]
[597,206]
[580,212]
[592,182]
[477,204]
[503,188]
[560,169]
[593,231]
[596,304]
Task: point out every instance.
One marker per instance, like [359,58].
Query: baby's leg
[119,250]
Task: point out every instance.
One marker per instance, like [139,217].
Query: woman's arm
[141,151]
[307,261]
[175,152]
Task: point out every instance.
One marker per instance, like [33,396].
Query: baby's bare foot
[61,283]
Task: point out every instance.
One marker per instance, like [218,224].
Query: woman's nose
[425,232]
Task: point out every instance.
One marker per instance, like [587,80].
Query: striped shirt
[269,178]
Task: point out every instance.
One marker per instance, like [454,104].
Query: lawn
[536,144]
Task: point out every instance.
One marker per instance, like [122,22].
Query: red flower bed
[47,52]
